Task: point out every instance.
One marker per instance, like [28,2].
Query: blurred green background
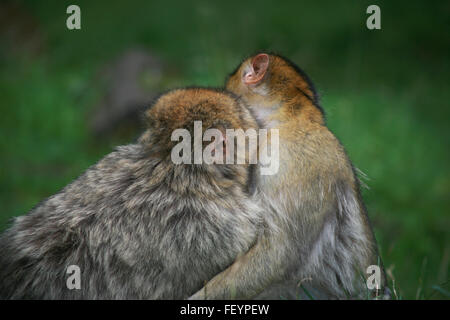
[385,92]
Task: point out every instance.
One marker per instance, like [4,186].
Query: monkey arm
[276,253]
[250,274]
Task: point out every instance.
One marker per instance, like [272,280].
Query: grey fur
[137,225]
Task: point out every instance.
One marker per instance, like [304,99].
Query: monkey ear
[258,68]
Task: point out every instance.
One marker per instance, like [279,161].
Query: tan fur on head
[179,109]
[277,80]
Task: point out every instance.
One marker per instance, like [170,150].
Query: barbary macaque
[323,242]
[137,225]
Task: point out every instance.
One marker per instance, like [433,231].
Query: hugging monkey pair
[140,226]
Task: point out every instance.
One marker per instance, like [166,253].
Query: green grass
[385,94]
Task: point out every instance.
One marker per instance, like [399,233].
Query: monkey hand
[199,295]
[249,275]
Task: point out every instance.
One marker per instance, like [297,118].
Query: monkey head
[178,117]
[271,84]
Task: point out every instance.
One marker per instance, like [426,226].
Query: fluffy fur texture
[137,225]
[324,240]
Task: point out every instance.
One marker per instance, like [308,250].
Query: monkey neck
[298,106]
[266,115]
[202,181]
[301,111]
[284,112]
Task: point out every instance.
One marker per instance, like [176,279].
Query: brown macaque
[317,241]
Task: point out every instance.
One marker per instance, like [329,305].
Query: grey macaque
[137,225]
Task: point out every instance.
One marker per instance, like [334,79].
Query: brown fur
[319,234]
